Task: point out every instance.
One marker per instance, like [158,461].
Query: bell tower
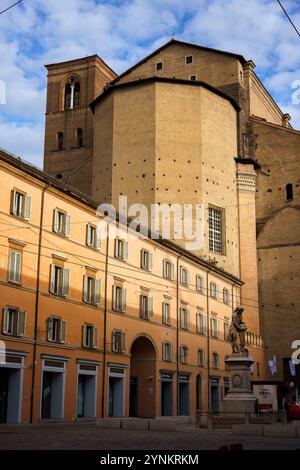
[71,87]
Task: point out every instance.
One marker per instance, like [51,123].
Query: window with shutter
[14,268]
[20,204]
[27,207]
[63,327]
[13,321]
[95,338]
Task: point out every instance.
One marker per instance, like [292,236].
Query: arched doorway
[198,392]
[142,378]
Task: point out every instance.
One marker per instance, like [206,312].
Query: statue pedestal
[240,397]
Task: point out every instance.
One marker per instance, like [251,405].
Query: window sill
[15,283]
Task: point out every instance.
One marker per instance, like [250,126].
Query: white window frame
[15,266]
[90,336]
[215,226]
[201,357]
[166,313]
[20,204]
[168,269]
[93,240]
[121,249]
[91,290]
[61,222]
[14,321]
[167,351]
[213,290]
[214,327]
[146,307]
[199,284]
[184,276]
[119,299]
[201,326]
[184,353]
[184,318]
[59,280]
[118,342]
[60,330]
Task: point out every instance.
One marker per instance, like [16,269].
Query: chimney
[285,120]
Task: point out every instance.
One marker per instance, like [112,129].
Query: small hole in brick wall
[159,159]
[195,191]
[180,176]
[59,176]
[207,179]
[292,304]
[174,160]
[269,190]
[129,163]
[115,164]
[166,189]
[122,178]
[144,160]
[178,190]
[143,175]
[164,174]
[189,161]
[197,177]
[136,191]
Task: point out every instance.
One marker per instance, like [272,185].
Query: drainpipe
[208,345]
[38,270]
[105,322]
[177,334]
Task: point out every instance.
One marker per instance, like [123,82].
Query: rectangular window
[167,352]
[184,318]
[226,296]
[199,284]
[168,269]
[189,59]
[146,260]
[118,341]
[184,351]
[166,313]
[56,330]
[213,290]
[61,223]
[226,331]
[93,239]
[201,358]
[90,337]
[215,360]
[184,276]
[159,66]
[215,230]
[14,267]
[119,299]
[91,290]
[201,324]
[146,307]
[59,280]
[14,321]
[215,327]
[193,78]
[121,249]
[20,204]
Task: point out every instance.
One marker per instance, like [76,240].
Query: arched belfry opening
[142,378]
[72,94]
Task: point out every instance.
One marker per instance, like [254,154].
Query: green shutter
[150,307]
[5,320]
[62,331]
[55,221]
[123,300]
[67,225]
[27,207]
[65,281]
[95,338]
[97,291]
[85,288]
[21,323]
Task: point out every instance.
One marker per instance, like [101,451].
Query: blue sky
[38,32]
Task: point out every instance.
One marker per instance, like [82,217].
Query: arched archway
[142,378]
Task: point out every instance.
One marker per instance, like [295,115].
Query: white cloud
[123,32]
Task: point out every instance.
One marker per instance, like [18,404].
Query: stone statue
[237,330]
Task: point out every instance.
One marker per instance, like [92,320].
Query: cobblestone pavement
[88,437]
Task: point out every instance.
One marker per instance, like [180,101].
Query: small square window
[193,78]
[159,66]
[189,59]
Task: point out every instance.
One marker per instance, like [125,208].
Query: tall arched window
[60,141]
[72,94]
[79,138]
[289,192]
